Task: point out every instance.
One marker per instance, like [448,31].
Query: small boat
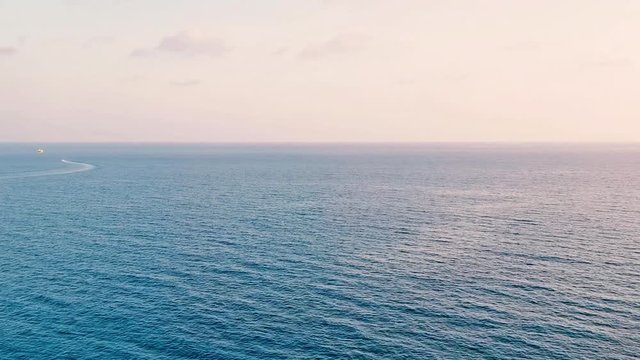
[40,150]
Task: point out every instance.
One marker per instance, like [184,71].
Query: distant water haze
[312,70]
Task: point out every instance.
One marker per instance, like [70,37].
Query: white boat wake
[70,168]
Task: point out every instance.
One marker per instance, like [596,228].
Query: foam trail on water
[72,167]
[79,166]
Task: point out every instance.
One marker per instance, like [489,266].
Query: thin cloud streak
[341,44]
[186,44]
[7,50]
[98,41]
[185,83]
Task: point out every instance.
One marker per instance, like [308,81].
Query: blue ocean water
[320,252]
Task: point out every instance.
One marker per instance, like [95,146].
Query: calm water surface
[319,252]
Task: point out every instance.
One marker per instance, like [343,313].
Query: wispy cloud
[98,41]
[143,52]
[341,44]
[132,79]
[523,46]
[186,43]
[280,51]
[8,50]
[185,83]
[614,63]
[93,2]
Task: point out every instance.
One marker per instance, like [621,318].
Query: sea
[320,251]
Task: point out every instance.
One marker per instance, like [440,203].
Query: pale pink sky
[313,70]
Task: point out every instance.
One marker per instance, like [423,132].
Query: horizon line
[462,142]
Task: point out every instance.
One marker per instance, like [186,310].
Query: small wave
[70,168]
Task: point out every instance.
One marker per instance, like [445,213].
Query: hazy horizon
[382,142]
[319,71]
